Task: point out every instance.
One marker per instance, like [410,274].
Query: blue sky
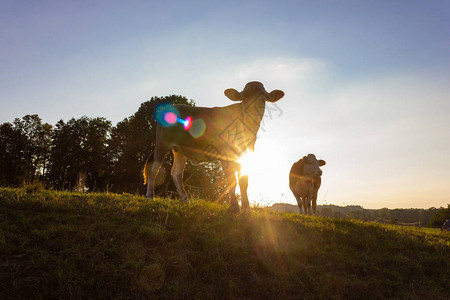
[366,82]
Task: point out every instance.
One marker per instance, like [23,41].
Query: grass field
[69,245]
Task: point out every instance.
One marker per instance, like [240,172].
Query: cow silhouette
[305,180]
[204,134]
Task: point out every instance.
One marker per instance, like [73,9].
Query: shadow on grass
[59,244]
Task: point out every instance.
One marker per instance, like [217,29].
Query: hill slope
[60,244]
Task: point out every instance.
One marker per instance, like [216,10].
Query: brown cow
[204,134]
[305,180]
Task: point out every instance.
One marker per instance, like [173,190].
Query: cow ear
[275,95]
[322,163]
[232,94]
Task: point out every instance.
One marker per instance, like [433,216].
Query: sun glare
[254,164]
[264,179]
[249,163]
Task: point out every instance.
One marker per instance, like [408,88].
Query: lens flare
[187,123]
[170,117]
[198,128]
[166,114]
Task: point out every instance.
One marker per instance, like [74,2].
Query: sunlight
[260,171]
[249,163]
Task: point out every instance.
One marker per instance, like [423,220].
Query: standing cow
[204,134]
[305,180]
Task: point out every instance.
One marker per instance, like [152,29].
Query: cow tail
[144,172]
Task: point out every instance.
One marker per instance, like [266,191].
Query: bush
[439,218]
[32,187]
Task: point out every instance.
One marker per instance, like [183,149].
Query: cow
[305,180]
[204,134]
[446,225]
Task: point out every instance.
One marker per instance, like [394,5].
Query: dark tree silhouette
[91,155]
[132,141]
[209,177]
[80,147]
[24,150]
[9,154]
[438,219]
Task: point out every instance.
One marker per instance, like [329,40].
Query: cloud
[285,73]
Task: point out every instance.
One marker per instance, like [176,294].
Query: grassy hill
[61,244]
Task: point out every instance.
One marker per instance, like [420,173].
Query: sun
[266,175]
[254,164]
[249,163]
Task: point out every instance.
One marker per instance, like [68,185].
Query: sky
[366,83]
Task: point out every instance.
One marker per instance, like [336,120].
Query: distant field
[70,245]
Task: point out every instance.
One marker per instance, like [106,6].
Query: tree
[439,217]
[132,141]
[80,148]
[24,150]
[210,178]
[9,156]
[91,153]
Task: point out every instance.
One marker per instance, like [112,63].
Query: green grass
[68,245]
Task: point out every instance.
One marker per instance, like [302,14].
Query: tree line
[90,154]
[432,217]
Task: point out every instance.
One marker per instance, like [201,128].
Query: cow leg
[229,170]
[309,206]
[309,198]
[179,161]
[299,202]
[158,157]
[314,201]
[305,205]
[243,185]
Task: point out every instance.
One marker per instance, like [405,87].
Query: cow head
[253,97]
[312,166]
